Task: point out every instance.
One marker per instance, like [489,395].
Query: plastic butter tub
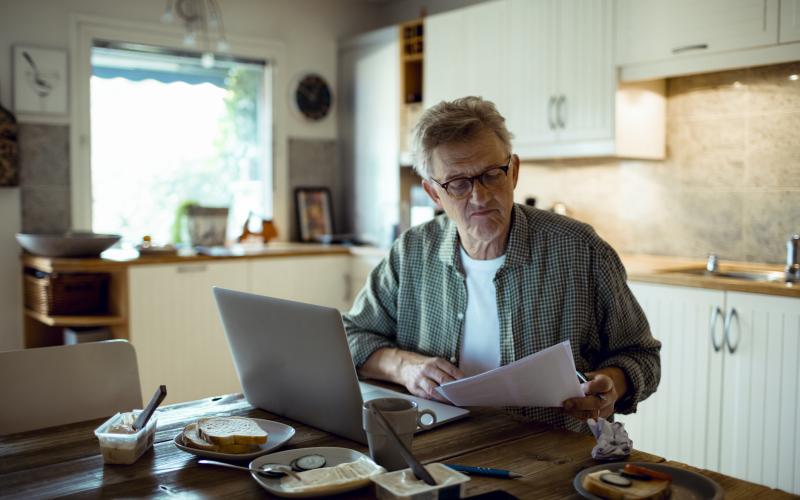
[119,444]
[402,484]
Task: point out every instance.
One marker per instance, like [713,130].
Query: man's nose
[480,192]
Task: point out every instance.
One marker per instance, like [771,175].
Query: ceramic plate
[333,457]
[279,434]
[685,483]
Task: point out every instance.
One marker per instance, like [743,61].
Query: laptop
[292,359]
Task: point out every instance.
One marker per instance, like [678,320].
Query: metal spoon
[274,468]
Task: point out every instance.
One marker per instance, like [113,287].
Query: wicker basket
[58,294]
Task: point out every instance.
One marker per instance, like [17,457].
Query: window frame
[84,30]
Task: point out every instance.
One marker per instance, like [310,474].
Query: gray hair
[455,121]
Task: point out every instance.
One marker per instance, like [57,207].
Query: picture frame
[314,213]
[40,81]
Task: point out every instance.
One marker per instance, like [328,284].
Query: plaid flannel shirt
[560,281]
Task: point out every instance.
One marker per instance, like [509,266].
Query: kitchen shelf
[76,320]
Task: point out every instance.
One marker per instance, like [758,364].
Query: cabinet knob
[560,111]
[689,48]
[712,328]
[551,104]
[727,330]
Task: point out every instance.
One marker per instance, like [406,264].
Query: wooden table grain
[66,460]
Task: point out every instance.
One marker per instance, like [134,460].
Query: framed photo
[314,213]
[40,80]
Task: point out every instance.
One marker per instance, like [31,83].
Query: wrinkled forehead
[468,157]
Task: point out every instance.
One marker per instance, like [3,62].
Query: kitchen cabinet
[789,29]
[466,53]
[658,39]
[728,398]
[320,280]
[176,330]
[547,64]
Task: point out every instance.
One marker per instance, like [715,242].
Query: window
[167,130]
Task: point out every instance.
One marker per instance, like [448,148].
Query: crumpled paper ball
[613,442]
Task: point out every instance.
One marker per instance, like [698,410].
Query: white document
[543,379]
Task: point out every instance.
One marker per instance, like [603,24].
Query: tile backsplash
[730,183]
[44,178]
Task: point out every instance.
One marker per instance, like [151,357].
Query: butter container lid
[403,485]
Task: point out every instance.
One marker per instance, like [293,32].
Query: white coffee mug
[405,417]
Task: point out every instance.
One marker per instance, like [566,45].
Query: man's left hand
[601,394]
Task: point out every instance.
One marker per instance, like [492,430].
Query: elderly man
[490,281]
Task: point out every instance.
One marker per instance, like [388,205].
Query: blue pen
[484,471]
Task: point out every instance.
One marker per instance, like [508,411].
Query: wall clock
[312,97]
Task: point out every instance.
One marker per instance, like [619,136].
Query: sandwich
[631,483]
[224,435]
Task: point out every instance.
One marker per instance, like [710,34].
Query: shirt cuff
[636,383]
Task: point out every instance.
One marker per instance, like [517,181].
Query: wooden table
[66,460]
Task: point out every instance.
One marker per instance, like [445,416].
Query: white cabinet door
[176,330]
[486,29]
[761,407]
[587,78]
[790,21]
[532,73]
[466,53]
[444,67]
[320,280]
[657,30]
[680,420]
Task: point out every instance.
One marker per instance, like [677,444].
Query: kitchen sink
[754,275]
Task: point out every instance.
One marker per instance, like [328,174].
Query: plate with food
[641,480]
[233,438]
[316,471]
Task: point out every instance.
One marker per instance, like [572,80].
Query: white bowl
[71,244]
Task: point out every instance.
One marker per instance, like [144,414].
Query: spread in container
[119,443]
[404,485]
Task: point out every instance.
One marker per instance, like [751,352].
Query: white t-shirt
[480,347]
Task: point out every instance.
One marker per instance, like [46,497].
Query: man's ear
[431,190]
[515,169]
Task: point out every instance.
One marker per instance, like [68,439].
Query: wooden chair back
[50,386]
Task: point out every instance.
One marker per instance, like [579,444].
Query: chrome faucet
[793,259]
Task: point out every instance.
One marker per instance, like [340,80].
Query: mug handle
[426,412]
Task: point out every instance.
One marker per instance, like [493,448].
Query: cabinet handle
[727,330]
[712,328]
[560,113]
[688,48]
[550,106]
[192,268]
[348,288]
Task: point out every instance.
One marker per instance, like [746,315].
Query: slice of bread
[238,448]
[231,430]
[192,439]
[654,489]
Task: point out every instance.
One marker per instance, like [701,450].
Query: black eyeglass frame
[473,178]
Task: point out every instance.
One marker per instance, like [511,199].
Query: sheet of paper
[543,379]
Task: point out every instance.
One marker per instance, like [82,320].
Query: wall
[308,29]
[730,183]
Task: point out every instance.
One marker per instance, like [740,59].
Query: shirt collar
[518,251]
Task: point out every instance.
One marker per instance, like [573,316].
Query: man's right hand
[420,374]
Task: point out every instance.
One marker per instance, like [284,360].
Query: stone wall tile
[773,150]
[45,209]
[44,155]
[770,218]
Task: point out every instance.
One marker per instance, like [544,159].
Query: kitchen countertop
[666,270]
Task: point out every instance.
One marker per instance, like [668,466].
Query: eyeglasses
[461,187]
